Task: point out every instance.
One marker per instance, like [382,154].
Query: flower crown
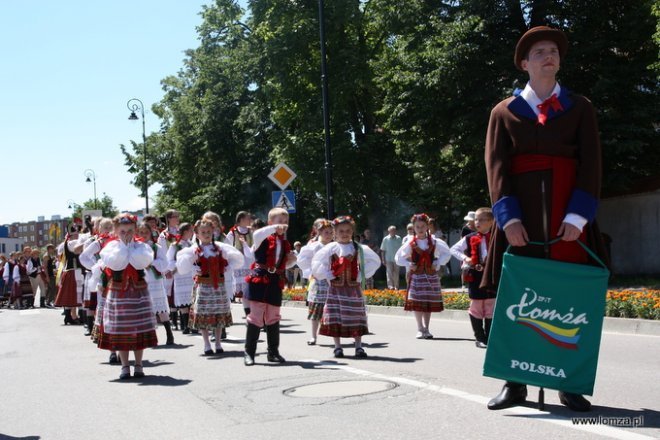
[127,219]
[420,218]
[323,224]
[343,219]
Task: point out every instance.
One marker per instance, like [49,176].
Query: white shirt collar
[529,95]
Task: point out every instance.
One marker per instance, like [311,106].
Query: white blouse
[322,261]
[442,253]
[117,255]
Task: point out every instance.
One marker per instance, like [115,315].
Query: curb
[644,327]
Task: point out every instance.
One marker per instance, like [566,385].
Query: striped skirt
[183,289]
[344,314]
[424,294]
[128,321]
[317,295]
[98,320]
[71,288]
[211,308]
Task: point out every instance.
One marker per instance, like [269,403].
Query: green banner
[547,324]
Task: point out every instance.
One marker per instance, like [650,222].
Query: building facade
[41,232]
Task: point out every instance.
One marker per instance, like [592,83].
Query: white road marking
[543,416]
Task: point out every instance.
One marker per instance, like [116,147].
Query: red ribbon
[551,102]
[422,258]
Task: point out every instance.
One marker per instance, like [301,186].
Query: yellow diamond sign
[282,176]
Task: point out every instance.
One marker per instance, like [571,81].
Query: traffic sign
[285,200]
[282,175]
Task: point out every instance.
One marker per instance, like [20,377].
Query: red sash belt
[563,182]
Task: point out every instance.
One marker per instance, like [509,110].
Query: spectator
[391,243]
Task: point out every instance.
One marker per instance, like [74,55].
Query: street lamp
[72,204]
[91,177]
[134,105]
[326,117]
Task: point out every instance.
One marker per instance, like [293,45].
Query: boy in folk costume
[471,251]
[23,294]
[166,239]
[154,277]
[346,265]
[543,161]
[422,256]
[212,264]
[128,321]
[70,288]
[317,290]
[37,276]
[183,283]
[240,236]
[48,261]
[272,255]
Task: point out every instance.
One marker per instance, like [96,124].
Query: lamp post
[134,105]
[326,117]
[91,177]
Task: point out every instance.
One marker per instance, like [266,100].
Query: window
[2,246]
[31,228]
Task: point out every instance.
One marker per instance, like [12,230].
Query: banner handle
[556,240]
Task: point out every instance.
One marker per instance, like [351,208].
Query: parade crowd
[121,277]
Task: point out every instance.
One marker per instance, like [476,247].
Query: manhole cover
[344,388]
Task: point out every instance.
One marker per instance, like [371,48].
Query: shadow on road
[172,347]
[154,380]
[306,365]
[156,363]
[9,437]
[452,339]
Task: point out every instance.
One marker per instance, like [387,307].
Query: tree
[105,204]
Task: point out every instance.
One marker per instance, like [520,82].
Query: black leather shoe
[275,357]
[113,358]
[480,344]
[248,360]
[575,402]
[512,394]
[208,352]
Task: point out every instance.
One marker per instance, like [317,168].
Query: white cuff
[576,220]
[510,222]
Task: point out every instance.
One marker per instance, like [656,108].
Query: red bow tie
[545,105]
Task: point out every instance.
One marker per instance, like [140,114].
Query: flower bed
[643,303]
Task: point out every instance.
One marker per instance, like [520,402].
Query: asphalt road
[55,384]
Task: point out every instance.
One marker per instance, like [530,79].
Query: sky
[68,69]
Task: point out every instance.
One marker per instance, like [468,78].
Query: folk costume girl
[183,283]
[472,251]
[240,236]
[317,290]
[542,145]
[272,254]
[423,255]
[128,320]
[70,292]
[90,258]
[212,264]
[166,239]
[154,277]
[345,265]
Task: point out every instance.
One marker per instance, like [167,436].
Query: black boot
[576,402]
[184,324]
[89,325]
[487,322]
[174,319]
[512,394]
[170,336]
[223,335]
[247,311]
[273,337]
[478,329]
[42,302]
[251,339]
[67,317]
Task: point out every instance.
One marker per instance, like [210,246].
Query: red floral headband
[343,219]
[127,219]
[420,218]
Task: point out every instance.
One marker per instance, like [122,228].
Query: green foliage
[411,85]
[105,204]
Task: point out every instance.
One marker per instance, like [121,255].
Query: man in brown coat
[543,160]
